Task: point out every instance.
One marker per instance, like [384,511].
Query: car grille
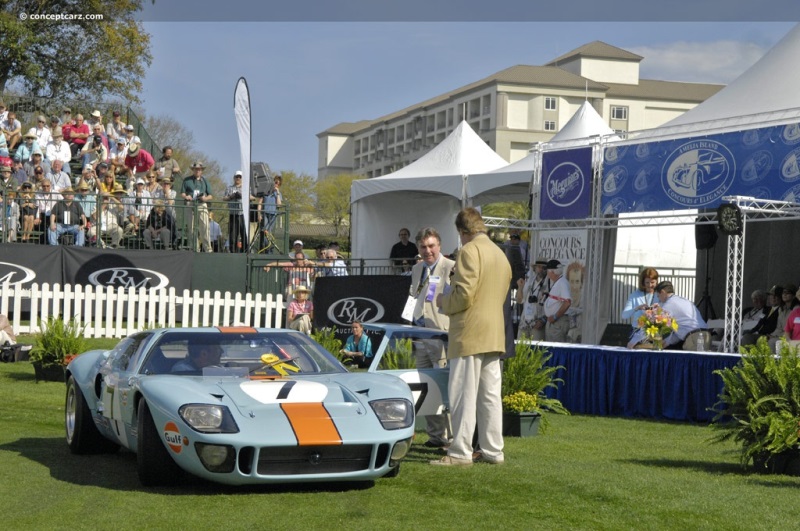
[295,460]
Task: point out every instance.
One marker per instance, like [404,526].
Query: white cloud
[705,62]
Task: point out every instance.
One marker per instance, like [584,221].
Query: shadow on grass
[700,466]
[117,471]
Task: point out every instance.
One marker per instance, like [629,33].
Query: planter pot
[48,373]
[783,463]
[521,424]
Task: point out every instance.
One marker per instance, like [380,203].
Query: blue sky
[307,76]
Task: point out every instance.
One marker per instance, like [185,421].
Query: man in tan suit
[428,279]
[477,339]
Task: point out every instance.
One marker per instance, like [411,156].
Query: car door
[119,380]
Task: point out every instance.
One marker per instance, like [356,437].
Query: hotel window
[619,113]
[549,125]
[550,104]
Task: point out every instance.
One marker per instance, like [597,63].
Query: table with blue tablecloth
[616,381]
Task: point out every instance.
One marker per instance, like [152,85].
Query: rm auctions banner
[128,269]
[566,184]
[697,172]
[338,301]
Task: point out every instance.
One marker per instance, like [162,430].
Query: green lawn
[585,473]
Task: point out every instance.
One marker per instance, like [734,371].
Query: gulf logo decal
[173,437]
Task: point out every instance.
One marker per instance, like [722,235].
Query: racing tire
[82,435]
[154,465]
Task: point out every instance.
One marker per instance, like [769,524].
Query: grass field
[585,473]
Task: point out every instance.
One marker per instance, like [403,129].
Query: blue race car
[237,406]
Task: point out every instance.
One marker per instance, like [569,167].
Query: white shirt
[58,151]
[44,135]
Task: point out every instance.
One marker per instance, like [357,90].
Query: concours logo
[614,180]
[698,173]
[614,154]
[15,274]
[565,184]
[129,277]
[345,311]
[755,168]
[790,168]
[791,134]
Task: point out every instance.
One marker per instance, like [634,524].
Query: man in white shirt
[58,178]
[58,149]
[43,134]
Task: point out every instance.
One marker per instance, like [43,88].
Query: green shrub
[399,356]
[56,340]
[327,338]
[759,406]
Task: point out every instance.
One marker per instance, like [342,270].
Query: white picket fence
[118,312]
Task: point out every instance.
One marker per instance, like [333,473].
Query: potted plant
[55,344]
[526,377]
[759,407]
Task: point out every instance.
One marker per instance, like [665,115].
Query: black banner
[128,269]
[338,301]
[30,264]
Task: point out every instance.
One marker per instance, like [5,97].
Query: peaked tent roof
[511,182]
[441,170]
[765,92]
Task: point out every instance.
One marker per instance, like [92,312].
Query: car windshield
[277,353]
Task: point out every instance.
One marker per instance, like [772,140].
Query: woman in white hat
[28,146]
[301,310]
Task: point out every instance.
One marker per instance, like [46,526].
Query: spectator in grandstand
[117,155]
[43,134]
[196,193]
[105,179]
[270,204]
[166,165]
[57,177]
[99,130]
[236,231]
[129,133]
[140,204]
[28,146]
[86,198]
[7,181]
[107,222]
[96,118]
[333,265]
[67,217]
[151,184]
[167,194]
[160,226]
[3,111]
[214,233]
[138,159]
[94,152]
[58,149]
[10,209]
[37,161]
[12,130]
[78,135]
[67,123]
[18,170]
[115,128]
[29,210]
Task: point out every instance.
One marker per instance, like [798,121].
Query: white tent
[427,192]
[512,182]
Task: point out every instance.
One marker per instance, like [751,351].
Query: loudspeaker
[261,185]
[705,236]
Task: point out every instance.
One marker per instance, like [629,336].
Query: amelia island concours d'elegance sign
[686,173]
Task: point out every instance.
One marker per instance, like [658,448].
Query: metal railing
[131,218]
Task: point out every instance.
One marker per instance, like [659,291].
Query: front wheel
[154,465]
[83,437]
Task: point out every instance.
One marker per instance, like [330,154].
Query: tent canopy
[427,192]
[441,170]
[512,182]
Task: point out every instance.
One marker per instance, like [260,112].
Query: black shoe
[432,444]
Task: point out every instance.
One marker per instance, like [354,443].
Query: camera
[532,299]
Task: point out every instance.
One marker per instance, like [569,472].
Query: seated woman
[643,298]
[301,310]
[358,346]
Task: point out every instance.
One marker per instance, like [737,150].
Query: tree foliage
[74,59]
[333,199]
[298,192]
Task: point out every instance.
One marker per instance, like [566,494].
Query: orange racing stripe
[312,424]
[237,329]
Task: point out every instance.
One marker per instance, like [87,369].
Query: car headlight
[394,413]
[207,418]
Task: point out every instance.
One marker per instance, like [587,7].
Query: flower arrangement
[520,402]
[57,340]
[657,323]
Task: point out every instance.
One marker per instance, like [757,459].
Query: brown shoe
[451,461]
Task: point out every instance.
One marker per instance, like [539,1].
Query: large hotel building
[512,109]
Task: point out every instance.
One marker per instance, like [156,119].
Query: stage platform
[616,381]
